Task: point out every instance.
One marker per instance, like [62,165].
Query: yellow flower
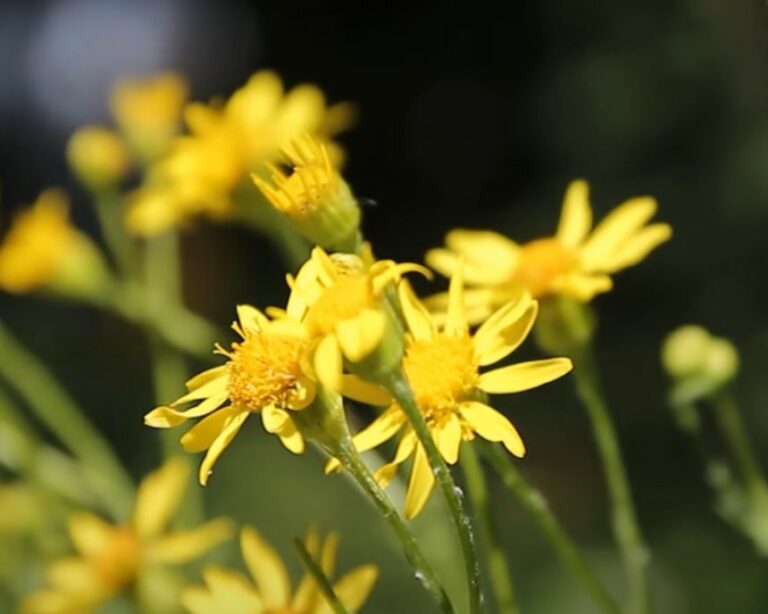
[226,143]
[264,374]
[314,196]
[442,364]
[111,557]
[99,157]
[269,591]
[43,249]
[148,111]
[339,299]
[576,262]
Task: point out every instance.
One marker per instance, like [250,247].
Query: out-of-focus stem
[317,573]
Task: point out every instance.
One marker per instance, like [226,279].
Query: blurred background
[468,117]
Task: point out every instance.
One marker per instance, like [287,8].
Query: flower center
[117,564]
[442,372]
[345,299]
[264,369]
[541,262]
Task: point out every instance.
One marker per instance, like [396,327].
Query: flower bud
[98,157]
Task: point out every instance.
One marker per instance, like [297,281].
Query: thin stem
[55,408]
[398,385]
[353,463]
[734,432]
[109,209]
[624,519]
[501,575]
[535,504]
[317,573]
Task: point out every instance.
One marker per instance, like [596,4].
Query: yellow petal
[483,247]
[446,262]
[391,272]
[456,320]
[202,435]
[493,426]
[524,375]
[504,331]
[447,436]
[266,568]
[617,227]
[362,391]
[76,576]
[159,496]
[274,419]
[183,546]
[228,591]
[211,387]
[576,217]
[303,393]
[416,315]
[359,336]
[292,438]
[405,448]
[90,534]
[380,430]
[584,287]
[420,484]
[206,376]
[220,444]
[251,319]
[327,363]
[638,247]
[352,589]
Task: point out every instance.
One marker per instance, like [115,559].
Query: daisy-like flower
[111,558]
[269,591]
[339,300]
[225,144]
[443,365]
[577,262]
[313,195]
[263,374]
[43,249]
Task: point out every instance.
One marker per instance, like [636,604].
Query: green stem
[501,575]
[55,408]
[351,460]
[398,385]
[624,520]
[317,573]
[535,504]
[109,209]
[735,434]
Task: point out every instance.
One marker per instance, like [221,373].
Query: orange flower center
[345,299]
[442,372]
[118,563]
[264,369]
[541,262]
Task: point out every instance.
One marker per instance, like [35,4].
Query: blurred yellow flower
[148,111]
[264,374]
[99,157]
[111,557]
[442,364]
[225,144]
[43,249]
[576,262]
[313,196]
[339,299]
[270,590]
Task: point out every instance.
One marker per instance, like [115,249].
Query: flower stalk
[322,581]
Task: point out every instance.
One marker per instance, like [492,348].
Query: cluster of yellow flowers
[353,326]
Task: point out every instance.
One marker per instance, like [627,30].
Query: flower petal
[405,448]
[447,436]
[456,320]
[415,313]
[291,438]
[266,568]
[206,376]
[576,216]
[483,247]
[220,444]
[251,319]
[584,287]
[524,375]
[202,435]
[493,426]
[90,534]
[638,247]
[327,363]
[352,589]
[274,419]
[504,331]
[228,591]
[420,484]
[362,391]
[183,546]
[447,262]
[359,336]
[159,496]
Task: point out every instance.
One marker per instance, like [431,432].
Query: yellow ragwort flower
[264,374]
[339,299]
[43,249]
[110,558]
[442,364]
[148,110]
[225,144]
[269,591]
[576,262]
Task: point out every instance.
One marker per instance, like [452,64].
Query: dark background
[469,117]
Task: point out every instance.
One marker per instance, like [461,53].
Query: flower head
[313,195]
[268,591]
[44,249]
[110,558]
[99,157]
[443,365]
[339,300]
[576,262]
[263,374]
